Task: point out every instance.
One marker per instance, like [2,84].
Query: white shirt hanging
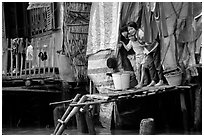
[29,53]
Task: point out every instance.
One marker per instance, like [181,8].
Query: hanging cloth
[29,53]
[103,26]
[149,23]
[189,34]
[21,46]
[146,23]
[159,15]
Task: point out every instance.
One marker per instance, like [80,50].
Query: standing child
[144,57]
[139,51]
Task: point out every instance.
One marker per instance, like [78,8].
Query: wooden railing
[17,65]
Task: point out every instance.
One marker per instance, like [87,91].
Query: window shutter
[49,17]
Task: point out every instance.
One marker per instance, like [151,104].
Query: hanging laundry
[154,27]
[15,46]
[192,61]
[189,34]
[29,53]
[149,23]
[159,15]
[146,23]
[103,26]
[198,26]
[21,48]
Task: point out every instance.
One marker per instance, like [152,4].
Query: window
[41,17]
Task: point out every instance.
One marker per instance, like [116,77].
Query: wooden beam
[85,33]
[84,12]
[84,24]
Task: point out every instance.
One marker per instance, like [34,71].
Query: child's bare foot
[152,83]
[159,83]
[140,85]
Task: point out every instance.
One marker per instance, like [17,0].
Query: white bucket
[121,81]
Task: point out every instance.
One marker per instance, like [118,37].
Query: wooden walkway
[113,95]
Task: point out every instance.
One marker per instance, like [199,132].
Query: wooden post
[21,68]
[6,54]
[16,65]
[11,69]
[90,122]
[81,122]
[54,57]
[184,111]
[50,55]
[39,58]
[147,126]
[33,43]
[26,57]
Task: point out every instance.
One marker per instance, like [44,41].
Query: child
[139,54]
[126,64]
[144,58]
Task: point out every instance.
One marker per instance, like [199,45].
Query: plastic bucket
[174,79]
[121,81]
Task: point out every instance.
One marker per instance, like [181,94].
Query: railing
[18,66]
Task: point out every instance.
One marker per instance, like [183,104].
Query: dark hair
[124,29]
[122,38]
[133,24]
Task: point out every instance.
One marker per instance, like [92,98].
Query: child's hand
[120,45]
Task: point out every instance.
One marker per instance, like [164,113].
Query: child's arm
[128,46]
[140,36]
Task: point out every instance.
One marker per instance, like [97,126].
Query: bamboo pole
[21,56]
[26,57]
[16,64]
[61,102]
[84,24]
[29,63]
[34,55]
[11,68]
[66,113]
[54,56]
[6,52]
[50,53]
[91,103]
[72,113]
[44,69]
[39,60]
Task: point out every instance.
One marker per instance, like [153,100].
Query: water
[73,131]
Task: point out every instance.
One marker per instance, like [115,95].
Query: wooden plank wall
[76,23]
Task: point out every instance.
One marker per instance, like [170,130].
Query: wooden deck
[117,95]
[132,93]
[24,89]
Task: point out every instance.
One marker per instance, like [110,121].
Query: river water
[74,131]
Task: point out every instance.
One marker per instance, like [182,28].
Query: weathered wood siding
[76,24]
